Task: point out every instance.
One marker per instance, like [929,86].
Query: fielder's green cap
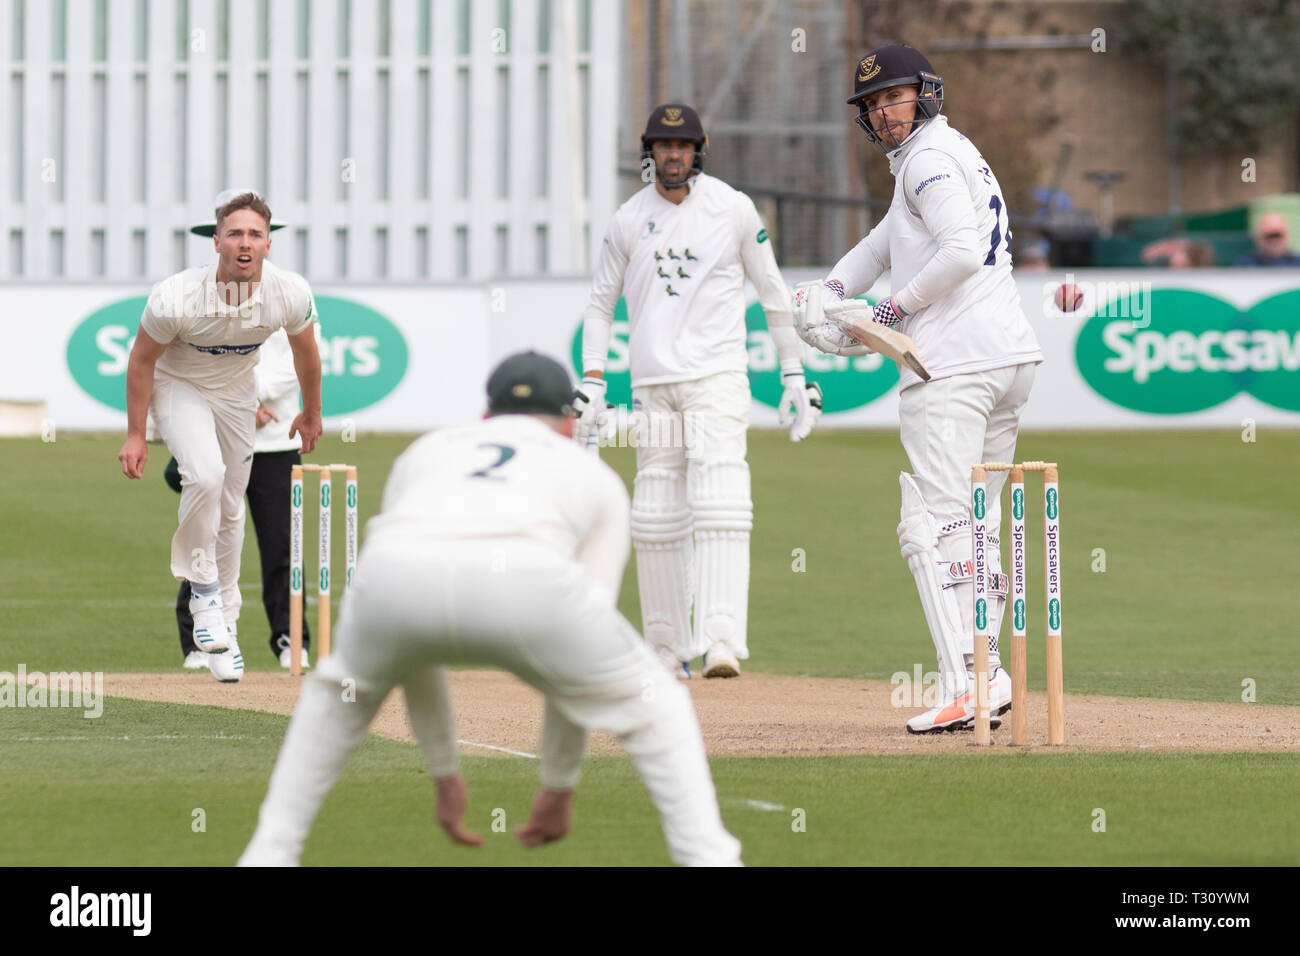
[529,383]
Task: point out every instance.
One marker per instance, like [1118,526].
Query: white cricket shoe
[679,669]
[719,661]
[999,693]
[286,659]
[196,661]
[951,715]
[209,624]
[229,667]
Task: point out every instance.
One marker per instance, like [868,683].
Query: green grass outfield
[123,790]
[1199,533]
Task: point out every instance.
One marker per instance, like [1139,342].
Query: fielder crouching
[499,543]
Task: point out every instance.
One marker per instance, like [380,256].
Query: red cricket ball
[1069,297]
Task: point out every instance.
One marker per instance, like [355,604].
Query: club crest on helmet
[867,68]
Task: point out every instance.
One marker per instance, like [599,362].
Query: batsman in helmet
[946,242]
[679,251]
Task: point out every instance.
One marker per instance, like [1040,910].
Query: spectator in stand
[1272,243]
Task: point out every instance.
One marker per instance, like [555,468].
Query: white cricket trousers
[211,436]
[948,425]
[417,604]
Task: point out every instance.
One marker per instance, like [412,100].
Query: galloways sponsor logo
[75,690]
[363,354]
[847,383]
[1196,351]
[75,908]
[932,179]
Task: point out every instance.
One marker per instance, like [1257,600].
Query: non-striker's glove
[589,403]
[801,405]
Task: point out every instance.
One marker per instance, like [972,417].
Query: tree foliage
[1236,63]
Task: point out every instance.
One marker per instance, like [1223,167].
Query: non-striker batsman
[680,250]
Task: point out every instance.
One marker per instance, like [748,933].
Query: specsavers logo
[1196,352]
[847,383]
[363,355]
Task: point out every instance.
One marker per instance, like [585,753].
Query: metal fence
[399,139]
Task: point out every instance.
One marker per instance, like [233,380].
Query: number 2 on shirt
[505,453]
[995,203]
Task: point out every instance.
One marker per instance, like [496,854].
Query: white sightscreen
[398,139]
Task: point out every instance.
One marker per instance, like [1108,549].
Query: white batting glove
[815,305]
[807,309]
[589,403]
[800,406]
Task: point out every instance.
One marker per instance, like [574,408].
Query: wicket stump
[296,556]
[1018,604]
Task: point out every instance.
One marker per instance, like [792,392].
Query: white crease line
[763,805]
[60,602]
[110,602]
[504,750]
[136,737]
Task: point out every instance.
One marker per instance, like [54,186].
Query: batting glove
[589,404]
[815,303]
[807,307]
[889,312]
[801,405]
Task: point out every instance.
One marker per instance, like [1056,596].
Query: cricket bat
[881,338]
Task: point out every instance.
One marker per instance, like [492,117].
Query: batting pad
[724,517]
[661,535]
[918,541]
[955,573]
[955,553]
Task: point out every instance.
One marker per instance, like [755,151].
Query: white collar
[909,145]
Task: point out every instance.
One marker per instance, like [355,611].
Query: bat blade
[880,338]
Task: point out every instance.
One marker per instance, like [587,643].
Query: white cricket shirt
[212,344]
[682,269]
[509,477]
[947,242]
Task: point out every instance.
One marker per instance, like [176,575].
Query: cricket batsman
[679,252]
[947,243]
